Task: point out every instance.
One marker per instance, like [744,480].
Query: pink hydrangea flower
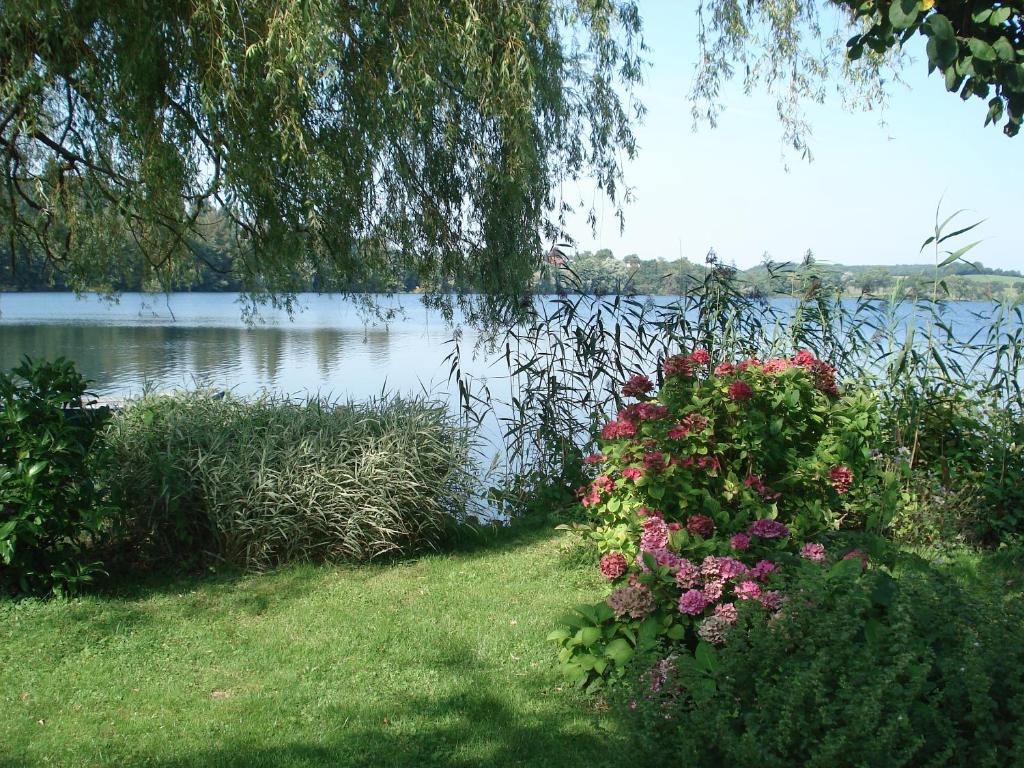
[813,552]
[635,601]
[727,611]
[748,590]
[740,542]
[731,568]
[841,478]
[755,483]
[700,525]
[713,590]
[655,535]
[632,473]
[692,602]
[740,390]
[714,630]
[724,369]
[771,600]
[688,575]
[750,362]
[595,458]
[613,565]
[637,386]
[768,529]
[805,359]
[710,463]
[710,568]
[763,569]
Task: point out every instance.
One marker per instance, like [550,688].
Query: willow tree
[341,138]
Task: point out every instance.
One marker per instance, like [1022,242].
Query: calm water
[328,348]
[144,342]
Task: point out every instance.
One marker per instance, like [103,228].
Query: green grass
[437,661]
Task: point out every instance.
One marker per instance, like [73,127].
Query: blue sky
[868,196]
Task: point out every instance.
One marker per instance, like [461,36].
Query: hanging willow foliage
[339,139]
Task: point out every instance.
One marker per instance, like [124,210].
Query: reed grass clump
[260,482]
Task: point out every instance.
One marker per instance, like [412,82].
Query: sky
[868,197]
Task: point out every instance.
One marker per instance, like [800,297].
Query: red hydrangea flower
[805,359]
[757,484]
[700,357]
[740,542]
[651,411]
[841,478]
[776,365]
[637,386]
[678,365]
[710,463]
[750,362]
[724,369]
[700,525]
[740,390]
[654,462]
[674,526]
[617,429]
[613,565]
[595,458]
[768,529]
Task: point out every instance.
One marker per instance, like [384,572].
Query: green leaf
[981,50]
[676,632]
[884,590]
[958,253]
[1000,16]
[619,651]
[706,657]
[558,636]
[940,27]
[903,13]
[1004,49]
[589,635]
[36,468]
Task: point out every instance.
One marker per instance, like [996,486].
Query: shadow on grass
[474,725]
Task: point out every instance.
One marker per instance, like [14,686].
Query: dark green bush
[920,670]
[261,482]
[971,449]
[50,509]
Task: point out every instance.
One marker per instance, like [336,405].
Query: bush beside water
[916,668]
[262,482]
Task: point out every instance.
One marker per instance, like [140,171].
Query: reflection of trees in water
[378,344]
[328,346]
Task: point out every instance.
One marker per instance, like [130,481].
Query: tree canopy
[340,138]
[344,142]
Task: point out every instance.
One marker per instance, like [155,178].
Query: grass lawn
[436,661]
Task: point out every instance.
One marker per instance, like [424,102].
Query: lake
[329,347]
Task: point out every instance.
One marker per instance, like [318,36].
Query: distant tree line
[218,254]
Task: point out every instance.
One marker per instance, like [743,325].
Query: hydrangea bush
[704,492]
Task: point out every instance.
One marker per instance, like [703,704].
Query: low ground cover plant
[707,494]
[256,483]
[903,665]
[50,507]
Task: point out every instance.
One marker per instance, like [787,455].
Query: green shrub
[262,482]
[971,447]
[49,506]
[706,491]
[856,670]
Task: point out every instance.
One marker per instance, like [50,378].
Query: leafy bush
[49,506]
[706,493]
[262,482]
[918,670]
[971,449]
